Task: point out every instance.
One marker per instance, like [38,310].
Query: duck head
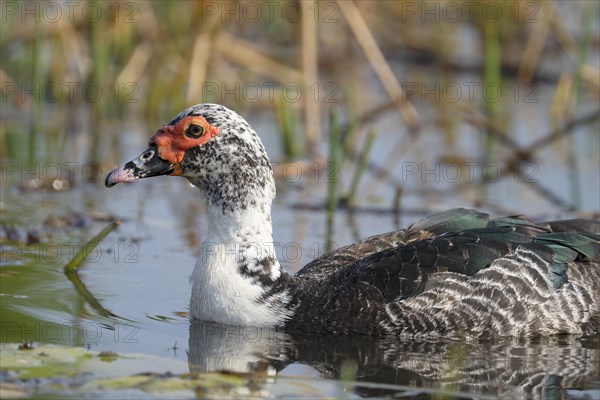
[215,149]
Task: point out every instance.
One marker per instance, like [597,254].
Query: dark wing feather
[446,221]
[403,271]
[584,243]
[451,220]
[576,225]
[334,260]
[463,241]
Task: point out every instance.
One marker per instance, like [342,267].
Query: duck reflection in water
[555,367]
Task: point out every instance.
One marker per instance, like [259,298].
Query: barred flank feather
[458,273]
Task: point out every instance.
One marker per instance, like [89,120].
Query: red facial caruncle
[172,141]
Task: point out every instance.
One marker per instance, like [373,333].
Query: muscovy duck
[457,273]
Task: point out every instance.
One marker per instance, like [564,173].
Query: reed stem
[332,175]
[361,165]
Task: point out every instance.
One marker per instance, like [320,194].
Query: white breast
[221,294]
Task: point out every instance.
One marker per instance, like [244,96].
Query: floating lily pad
[51,369]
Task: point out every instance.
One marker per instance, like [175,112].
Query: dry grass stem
[243,53]
[378,62]
[198,67]
[591,75]
[137,64]
[564,37]
[309,68]
[535,45]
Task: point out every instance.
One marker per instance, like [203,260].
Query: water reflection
[548,368]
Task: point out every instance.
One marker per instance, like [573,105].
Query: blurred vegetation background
[75,76]
[388,109]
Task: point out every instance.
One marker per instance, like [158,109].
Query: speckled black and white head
[216,150]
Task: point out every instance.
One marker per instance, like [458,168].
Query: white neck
[236,266]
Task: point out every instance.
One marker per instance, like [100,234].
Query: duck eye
[194,131]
